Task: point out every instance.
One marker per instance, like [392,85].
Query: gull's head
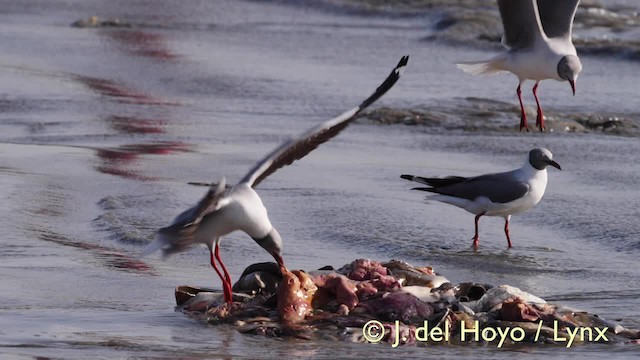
[540,158]
[568,69]
[272,242]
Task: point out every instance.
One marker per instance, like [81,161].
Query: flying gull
[226,209]
[501,194]
[537,34]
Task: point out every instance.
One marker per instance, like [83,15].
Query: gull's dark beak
[273,244]
[554,164]
[573,86]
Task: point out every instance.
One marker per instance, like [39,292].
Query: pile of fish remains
[336,304]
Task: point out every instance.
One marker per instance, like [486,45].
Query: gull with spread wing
[537,34]
[226,209]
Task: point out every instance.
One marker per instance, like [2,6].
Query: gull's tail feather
[435,182]
[415,178]
[488,67]
[207,184]
[161,242]
[170,240]
[180,234]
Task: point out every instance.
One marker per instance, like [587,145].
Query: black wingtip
[422,189]
[407,177]
[403,61]
[387,84]
[196,183]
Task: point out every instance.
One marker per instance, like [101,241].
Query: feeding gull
[223,210]
[501,194]
[537,34]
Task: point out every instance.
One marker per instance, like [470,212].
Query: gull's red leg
[540,117]
[476,239]
[506,230]
[227,277]
[523,115]
[222,278]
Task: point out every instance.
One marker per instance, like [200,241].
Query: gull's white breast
[534,64]
[242,210]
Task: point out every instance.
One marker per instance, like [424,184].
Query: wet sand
[486,115]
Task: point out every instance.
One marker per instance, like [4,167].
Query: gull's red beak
[573,86]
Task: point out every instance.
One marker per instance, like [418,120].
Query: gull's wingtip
[403,61]
[296,148]
[387,84]
[407,177]
[402,64]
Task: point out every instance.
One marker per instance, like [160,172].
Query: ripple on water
[125,219]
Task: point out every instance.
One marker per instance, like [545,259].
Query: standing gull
[223,210]
[501,194]
[537,34]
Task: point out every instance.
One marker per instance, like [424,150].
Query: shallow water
[102,128]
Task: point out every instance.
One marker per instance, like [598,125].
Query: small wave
[471,115]
[120,220]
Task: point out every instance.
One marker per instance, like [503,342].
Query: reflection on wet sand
[133,41]
[119,92]
[111,258]
[142,43]
[113,161]
[51,201]
[135,125]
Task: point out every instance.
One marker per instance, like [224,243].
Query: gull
[537,34]
[500,194]
[225,209]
